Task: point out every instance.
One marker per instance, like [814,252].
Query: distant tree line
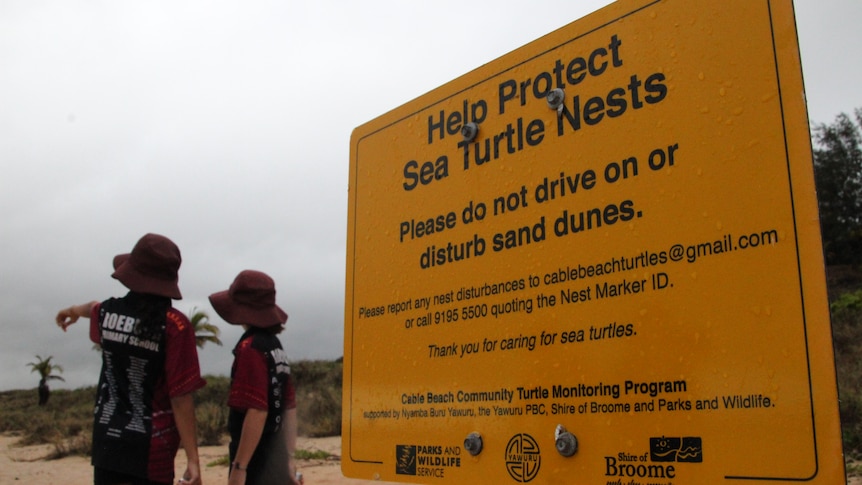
[838,178]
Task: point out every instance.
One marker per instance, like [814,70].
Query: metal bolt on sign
[566,443]
[469,131]
[473,443]
[556,98]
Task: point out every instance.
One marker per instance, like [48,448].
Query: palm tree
[204,330]
[46,372]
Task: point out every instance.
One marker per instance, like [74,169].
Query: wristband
[236,466]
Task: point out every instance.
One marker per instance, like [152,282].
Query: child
[262,419]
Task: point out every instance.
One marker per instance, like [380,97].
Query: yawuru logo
[523,458]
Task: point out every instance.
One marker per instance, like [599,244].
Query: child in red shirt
[144,406]
[262,400]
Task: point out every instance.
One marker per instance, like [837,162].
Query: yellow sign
[595,260]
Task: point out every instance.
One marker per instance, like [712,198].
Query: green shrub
[67,414]
[212,423]
[849,302]
[846,309]
[311,455]
[318,397]
[66,421]
[221,461]
[215,391]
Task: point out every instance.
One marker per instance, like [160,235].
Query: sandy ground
[25,465]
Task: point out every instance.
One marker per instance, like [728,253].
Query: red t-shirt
[182,375]
[250,385]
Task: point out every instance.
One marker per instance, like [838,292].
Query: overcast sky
[225,125]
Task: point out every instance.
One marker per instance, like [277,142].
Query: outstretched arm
[68,316]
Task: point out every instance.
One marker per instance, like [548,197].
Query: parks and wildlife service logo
[523,458]
[405,459]
[432,461]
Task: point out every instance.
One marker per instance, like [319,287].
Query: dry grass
[66,422]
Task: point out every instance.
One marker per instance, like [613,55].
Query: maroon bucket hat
[250,300]
[152,267]
[120,259]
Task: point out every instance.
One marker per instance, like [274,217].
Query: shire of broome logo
[523,458]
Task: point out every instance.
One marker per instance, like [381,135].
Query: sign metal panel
[609,234]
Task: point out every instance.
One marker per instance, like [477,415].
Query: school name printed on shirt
[279,356]
[121,328]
